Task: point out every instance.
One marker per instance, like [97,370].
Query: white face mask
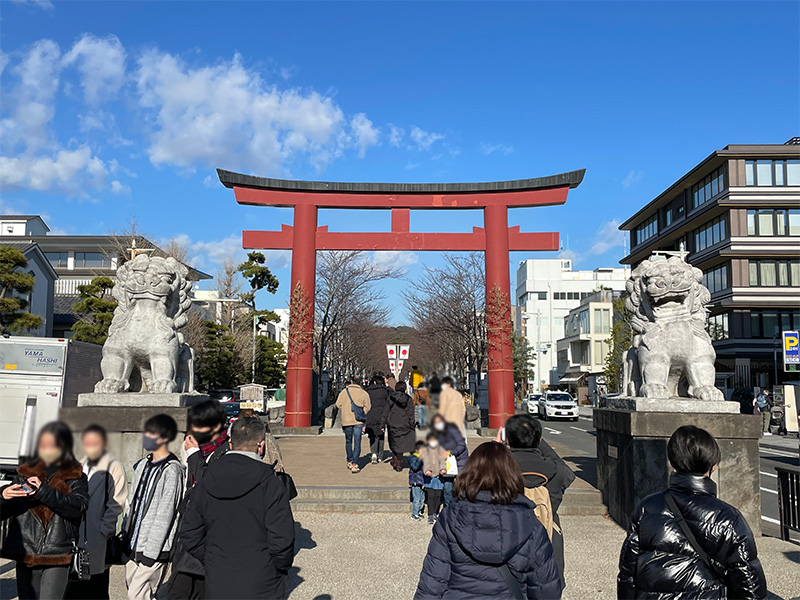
[433,443]
[439,426]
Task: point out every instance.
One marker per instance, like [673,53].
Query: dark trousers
[376,443]
[94,589]
[183,586]
[45,583]
[447,490]
[433,499]
[352,443]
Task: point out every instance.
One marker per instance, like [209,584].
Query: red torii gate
[495,239]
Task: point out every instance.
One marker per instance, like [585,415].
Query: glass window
[57,259]
[542,295]
[780,222]
[794,221]
[779,165]
[755,325]
[765,218]
[92,260]
[753,273]
[584,321]
[783,273]
[769,324]
[751,222]
[764,172]
[793,172]
[794,273]
[750,172]
[767,273]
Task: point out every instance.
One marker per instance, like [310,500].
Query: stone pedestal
[141,400]
[632,452]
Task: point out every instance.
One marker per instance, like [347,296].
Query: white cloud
[411,165]
[212,253]
[632,178]
[45,4]
[226,115]
[8,209]
[366,135]
[101,62]
[396,135]
[394,259]
[119,189]
[489,148]
[607,237]
[424,139]
[72,171]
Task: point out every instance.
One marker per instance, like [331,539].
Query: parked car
[558,405]
[533,403]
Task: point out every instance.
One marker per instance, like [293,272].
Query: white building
[547,290]
[278,330]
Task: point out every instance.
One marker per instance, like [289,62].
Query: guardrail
[788,500]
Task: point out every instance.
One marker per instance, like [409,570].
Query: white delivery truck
[37,377]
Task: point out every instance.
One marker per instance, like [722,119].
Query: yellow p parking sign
[791,348]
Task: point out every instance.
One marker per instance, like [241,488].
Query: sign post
[397,354]
[791,350]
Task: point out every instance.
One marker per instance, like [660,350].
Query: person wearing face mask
[150,519]
[41,514]
[108,490]
[452,440]
[239,524]
[434,465]
[206,441]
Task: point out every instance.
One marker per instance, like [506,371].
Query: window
[600,351]
[716,279]
[773,221]
[717,326]
[542,295]
[709,187]
[647,229]
[559,295]
[769,323]
[772,172]
[57,259]
[709,234]
[771,273]
[585,353]
[584,319]
[92,260]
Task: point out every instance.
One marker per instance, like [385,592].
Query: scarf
[209,448]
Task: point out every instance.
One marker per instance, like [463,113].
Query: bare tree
[447,308]
[348,306]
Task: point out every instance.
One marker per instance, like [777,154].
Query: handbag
[115,553]
[288,482]
[358,411]
[451,465]
[80,566]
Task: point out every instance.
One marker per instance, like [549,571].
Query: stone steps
[577,502]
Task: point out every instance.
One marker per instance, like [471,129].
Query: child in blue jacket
[416,481]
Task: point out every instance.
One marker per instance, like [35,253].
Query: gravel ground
[353,556]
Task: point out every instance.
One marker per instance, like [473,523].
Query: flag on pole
[399,368]
[392,365]
[405,350]
[391,351]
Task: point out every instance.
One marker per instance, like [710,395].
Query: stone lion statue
[671,353]
[144,350]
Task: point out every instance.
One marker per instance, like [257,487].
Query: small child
[416,481]
[434,464]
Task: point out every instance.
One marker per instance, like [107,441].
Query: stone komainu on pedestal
[144,350]
[671,353]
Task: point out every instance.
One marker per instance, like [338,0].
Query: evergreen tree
[96,306]
[523,356]
[214,363]
[619,342]
[270,363]
[13,314]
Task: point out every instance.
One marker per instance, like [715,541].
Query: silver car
[533,403]
[558,405]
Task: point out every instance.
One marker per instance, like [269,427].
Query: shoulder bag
[673,506]
[80,567]
[115,554]
[358,411]
[511,582]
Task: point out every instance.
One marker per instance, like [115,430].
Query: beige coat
[360,398]
[433,460]
[104,507]
[452,407]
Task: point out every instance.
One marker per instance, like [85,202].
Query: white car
[533,403]
[558,405]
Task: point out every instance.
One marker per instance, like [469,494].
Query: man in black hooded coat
[238,522]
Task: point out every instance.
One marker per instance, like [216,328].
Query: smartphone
[503,434]
[27,489]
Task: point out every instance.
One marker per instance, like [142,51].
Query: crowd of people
[218,519]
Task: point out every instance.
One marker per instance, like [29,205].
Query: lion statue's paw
[654,390]
[111,386]
[706,392]
[163,386]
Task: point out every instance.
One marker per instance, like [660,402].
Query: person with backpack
[686,543]
[764,406]
[354,406]
[489,543]
[545,474]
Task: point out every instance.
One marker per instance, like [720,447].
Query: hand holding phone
[27,489]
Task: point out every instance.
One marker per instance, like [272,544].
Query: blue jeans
[352,442]
[422,415]
[417,499]
[448,491]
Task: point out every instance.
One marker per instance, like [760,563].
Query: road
[774,451]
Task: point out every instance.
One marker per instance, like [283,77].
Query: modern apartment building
[737,214]
[547,290]
[582,352]
[76,259]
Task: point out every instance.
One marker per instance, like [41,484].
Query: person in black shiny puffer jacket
[659,561]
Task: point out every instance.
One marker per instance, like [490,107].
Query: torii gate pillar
[496,239]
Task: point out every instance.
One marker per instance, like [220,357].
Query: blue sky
[112,109]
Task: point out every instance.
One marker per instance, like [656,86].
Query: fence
[788,499]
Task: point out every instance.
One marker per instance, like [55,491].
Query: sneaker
[374,459]
[431,519]
[767,433]
[416,517]
[355,468]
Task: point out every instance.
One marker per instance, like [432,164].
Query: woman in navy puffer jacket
[490,524]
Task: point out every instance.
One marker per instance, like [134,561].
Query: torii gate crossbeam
[495,239]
